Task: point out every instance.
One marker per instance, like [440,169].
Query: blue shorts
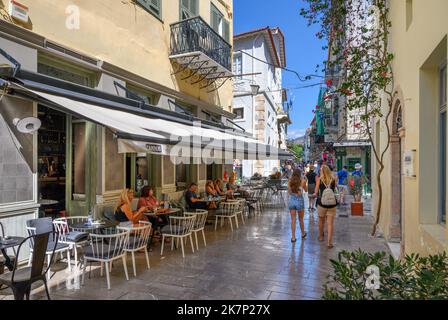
[296,203]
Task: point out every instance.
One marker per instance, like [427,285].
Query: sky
[303,50]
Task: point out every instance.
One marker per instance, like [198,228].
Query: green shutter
[153,6]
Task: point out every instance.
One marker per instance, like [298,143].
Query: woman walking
[326,203]
[297,186]
[311,180]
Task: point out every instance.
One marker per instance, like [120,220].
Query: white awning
[139,133]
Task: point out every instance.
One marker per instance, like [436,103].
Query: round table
[86,227]
[6,244]
[163,213]
[48,202]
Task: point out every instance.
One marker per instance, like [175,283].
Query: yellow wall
[412,48]
[124,34]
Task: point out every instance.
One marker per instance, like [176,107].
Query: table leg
[8,262]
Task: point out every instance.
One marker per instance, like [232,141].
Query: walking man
[342,184]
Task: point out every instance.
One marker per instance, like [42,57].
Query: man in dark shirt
[193,201]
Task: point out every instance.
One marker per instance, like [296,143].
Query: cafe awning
[138,133]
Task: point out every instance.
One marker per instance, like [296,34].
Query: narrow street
[257,261]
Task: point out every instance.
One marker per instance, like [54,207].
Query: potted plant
[356,189]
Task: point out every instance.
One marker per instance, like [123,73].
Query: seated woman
[231,188]
[218,187]
[192,199]
[149,201]
[123,210]
[210,190]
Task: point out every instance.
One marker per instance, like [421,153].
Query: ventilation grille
[56,47]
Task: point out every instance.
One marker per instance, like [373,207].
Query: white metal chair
[73,238]
[242,208]
[228,210]
[199,224]
[138,240]
[106,248]
[179,228]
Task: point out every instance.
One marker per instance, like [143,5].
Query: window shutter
[226,30]
[153,6]
[188,9]
[215,20]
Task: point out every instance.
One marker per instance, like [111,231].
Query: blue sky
[303,50]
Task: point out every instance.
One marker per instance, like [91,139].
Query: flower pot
[357,209]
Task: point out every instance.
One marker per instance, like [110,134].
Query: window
[409,13]
[238,65]
[219,24]
[443,142]
[188,9]
[152,6]
[239,113]
[149,97]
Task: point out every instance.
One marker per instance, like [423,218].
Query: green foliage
[414,277]
[297,150]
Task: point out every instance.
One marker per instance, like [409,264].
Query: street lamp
[255,88]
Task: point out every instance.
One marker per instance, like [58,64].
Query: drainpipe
[253,97]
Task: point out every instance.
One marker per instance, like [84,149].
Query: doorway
[396,229]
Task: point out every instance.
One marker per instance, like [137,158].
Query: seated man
[193,201]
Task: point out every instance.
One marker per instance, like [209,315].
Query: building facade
[413,214]
[259,57]
[171,58]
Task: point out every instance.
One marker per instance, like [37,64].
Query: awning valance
[137,133]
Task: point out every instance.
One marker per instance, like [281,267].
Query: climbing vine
[357,32]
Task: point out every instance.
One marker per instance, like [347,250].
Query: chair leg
[231,224]
[172,244]
[76,256]
[30,259]
[191,242]
[101,269]
[125,266]
[49,266]
[27,293]
[133,263]
[183,251]
[68,260]
[216,222]
[196,238]
[163,242]
[203,236]
[147,259]
[46,289]
[236,222]
[84,270]
[107,275]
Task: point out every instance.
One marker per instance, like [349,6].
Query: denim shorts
[296,203]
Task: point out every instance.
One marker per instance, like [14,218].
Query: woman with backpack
[296,188]
[326,203]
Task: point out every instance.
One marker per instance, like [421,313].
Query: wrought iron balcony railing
[195,35]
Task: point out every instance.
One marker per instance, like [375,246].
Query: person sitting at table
[218,187]
[231,188]
[123,210]
[192,199]
[210,190]
[149,201]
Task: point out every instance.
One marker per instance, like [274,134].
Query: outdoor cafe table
[93,227]
[6,244]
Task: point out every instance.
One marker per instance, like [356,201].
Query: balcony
[199,48]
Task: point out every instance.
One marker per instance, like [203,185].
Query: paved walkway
[257,261]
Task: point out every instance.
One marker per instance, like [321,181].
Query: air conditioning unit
[18,11]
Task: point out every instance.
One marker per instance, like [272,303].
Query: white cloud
[295,133]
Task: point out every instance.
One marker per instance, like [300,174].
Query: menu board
[409,164]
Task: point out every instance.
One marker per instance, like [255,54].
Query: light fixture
[255,88]
[27,125]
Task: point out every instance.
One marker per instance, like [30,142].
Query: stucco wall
[418,51]
[126,35]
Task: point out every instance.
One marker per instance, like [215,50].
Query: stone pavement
[257,261]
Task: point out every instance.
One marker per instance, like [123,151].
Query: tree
[297,150]
[358,41]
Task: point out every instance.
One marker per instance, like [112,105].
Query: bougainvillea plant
[357,32]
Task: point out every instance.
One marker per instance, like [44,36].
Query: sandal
[330,246]
[293,240]
[304,236]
